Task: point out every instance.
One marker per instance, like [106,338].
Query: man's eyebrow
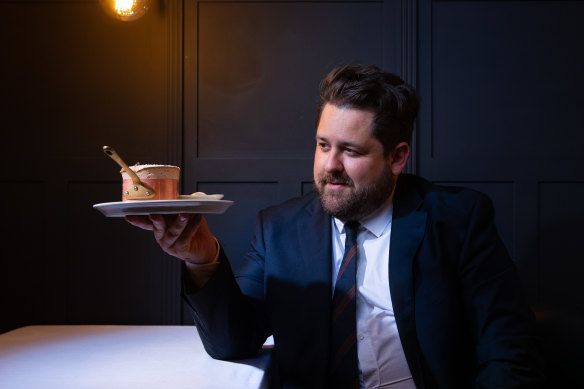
[352,145]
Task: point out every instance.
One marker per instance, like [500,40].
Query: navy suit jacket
[458,303]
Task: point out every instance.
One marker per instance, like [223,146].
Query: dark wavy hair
[394,103]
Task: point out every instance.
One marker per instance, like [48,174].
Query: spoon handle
[114,155]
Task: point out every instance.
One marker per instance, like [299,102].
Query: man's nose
[333,163]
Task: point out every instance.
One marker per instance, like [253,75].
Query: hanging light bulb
[126,10]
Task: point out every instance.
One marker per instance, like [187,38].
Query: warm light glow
[124,7]
[126,10]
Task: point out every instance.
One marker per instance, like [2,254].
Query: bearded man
[424,296]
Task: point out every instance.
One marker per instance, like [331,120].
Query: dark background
[227,91]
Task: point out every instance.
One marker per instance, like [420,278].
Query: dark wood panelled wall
[73,80]
[227,90]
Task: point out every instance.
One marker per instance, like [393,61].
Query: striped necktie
[344,365]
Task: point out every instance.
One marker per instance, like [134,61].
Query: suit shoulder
[445,198]
[291,208]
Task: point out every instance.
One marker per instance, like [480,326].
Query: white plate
[146,207]
[201,197]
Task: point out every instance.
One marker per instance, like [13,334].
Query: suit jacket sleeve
[229,313]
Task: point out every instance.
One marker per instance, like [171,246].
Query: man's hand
[185,236]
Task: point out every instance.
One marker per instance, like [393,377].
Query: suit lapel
[313,229]
[407,232]
[314,233]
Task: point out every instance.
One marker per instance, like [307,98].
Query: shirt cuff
[200,273]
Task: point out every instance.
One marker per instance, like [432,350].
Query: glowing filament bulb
[124,7]
[126,10]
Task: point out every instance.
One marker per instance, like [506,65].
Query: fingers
[140,221]
[175,233]
[185,240]
[185,236]
[159,227]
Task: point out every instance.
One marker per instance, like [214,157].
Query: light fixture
[126,10]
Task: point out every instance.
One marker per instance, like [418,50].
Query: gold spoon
[140,191]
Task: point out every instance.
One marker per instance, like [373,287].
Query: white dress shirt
[382,362]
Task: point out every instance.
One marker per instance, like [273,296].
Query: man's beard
[357,203]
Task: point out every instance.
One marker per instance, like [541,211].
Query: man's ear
[399,157]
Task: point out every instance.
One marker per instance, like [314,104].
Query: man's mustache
[335,178]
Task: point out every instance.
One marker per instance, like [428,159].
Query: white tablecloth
[101,357]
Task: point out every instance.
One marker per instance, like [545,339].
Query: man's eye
[323,146]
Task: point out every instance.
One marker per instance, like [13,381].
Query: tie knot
[351,229]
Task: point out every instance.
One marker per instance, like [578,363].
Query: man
[435,301]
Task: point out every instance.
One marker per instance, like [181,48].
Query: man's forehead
[345,121]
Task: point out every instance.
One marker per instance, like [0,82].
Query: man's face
[351,175]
